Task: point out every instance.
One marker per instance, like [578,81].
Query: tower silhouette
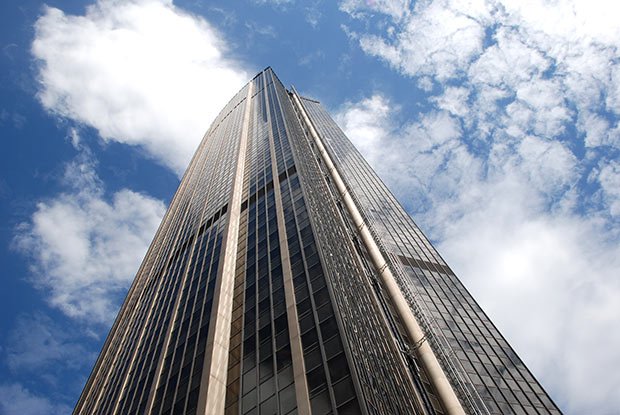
[286,278]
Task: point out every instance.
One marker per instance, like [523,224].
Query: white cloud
[436,41]
[17,400]
[425,83]
[141,72]
[365,120]
[454,100]
[609,178]
[313,14]
[549,167]
[394,8]
[85,249]
[598,132]
[538,66]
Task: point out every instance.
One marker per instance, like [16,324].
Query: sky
[496,123]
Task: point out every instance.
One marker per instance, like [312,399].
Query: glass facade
[494,377]
[259,295]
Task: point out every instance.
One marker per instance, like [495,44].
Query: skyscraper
[286,278]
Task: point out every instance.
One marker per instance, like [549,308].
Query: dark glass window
[320,403]
[269,407]
[329,328]
[283,357]
[316,378]
[249,380]
[287,399]
[338,367]
[344,390]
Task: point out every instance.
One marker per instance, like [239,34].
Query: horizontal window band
[429,266]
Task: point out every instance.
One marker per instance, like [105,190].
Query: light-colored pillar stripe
[445,391]
[297,355]
[212,395]
[167,337]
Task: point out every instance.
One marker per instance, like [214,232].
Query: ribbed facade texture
[285,278]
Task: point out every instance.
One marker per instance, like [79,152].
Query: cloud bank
[140,72]
[514,168]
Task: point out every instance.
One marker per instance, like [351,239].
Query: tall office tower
[286,279]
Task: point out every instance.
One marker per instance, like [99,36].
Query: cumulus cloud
[539,69]
[454,100]
[435,40]
[85,248]
[141,72]
[505,219]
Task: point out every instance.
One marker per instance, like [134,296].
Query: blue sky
[495,123]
